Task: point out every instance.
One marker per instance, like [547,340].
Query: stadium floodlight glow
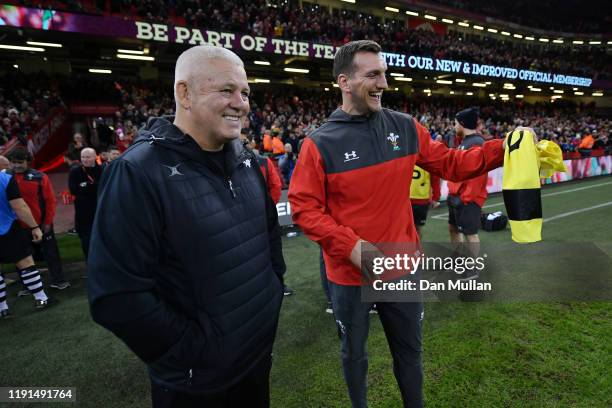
[452,92]
[594,42]
[261,63]
[519,96]
[405,79]
[100,71]
[469,93]
[488,82]
[427,90]
[326,89]
[412,13]
[397,74]
[477,27]
[136,57]
[556,97]
[558,91]
[430,17]
[544,40]
[261,81]
[392,9]
[578,93]
[444,81]
[491,30]
[135,52]
[577,42]
[15,66]
[336,85]
[504,95]
[448,21]
[609,42]
[597,94]
[463,24]
[517,35]
[297,70]
[574,89]
[530,38]
[505,33]
[44,44]
[349,1]
[459,80]
[479,84]
[532,89]
[491,95]
[20,48]
[509,86]
[558,41]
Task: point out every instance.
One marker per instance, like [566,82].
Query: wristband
[32,229]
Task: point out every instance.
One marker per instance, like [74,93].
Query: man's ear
[343,82]
[183,97]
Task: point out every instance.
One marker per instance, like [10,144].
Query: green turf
[475,355]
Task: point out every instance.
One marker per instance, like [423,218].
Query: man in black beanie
[466,198]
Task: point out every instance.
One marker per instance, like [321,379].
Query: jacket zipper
[231,187]
[190,377]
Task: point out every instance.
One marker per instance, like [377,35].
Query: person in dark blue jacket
[185,262]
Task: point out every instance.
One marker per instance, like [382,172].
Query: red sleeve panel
[457,165]
[50,201]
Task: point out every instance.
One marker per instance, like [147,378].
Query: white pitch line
[567,214]
[445,216]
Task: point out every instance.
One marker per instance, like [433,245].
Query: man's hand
[535,137]
[367,251]
[37,234]
[434,204]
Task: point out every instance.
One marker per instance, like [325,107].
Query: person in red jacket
[37,191]
[466,198]
[351,188]
[267,168]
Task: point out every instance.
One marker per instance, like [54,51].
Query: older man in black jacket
[186,262]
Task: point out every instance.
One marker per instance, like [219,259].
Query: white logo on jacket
[247,162]
[174,170]
[350,156]
[393,139]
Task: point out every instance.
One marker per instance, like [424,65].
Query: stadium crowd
[24,101]
[289,19]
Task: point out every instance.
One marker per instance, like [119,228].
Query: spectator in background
[286,164]
[75,147]
[277,144]
[113,153]
[83,182]
[37,191]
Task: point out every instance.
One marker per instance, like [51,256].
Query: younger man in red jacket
[350,187]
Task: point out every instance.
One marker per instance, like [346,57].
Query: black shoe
[468,276]
[72,231]
[60,285]
[329,308]
[44,304]
[287,291]
[374,309]
[5,314]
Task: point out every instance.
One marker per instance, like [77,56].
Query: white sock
[40,295]
[3,305]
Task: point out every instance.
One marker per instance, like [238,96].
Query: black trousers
[252,391]
[84,235]
[48,250]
